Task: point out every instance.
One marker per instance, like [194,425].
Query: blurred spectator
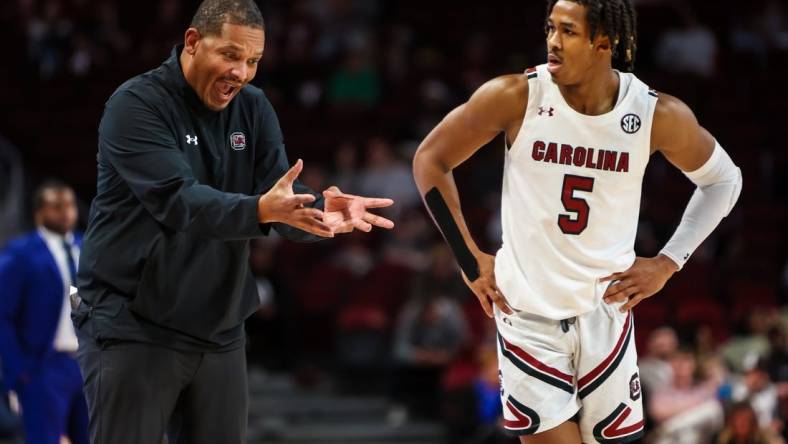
[384,174]
[434,97]
[113,40]
[441,278]
[356,82]
[314,176]
[48,38]
[11,191]
[656,370]
[430,331]
[741,427]
[405,246]
[345,169]
[691,49]
[687,410]
[753,344]
[472,408]
[354,257]
[776,23]
[37,339]
[755,387]
[761,26]
[162,33]
[777,360]
[476,62]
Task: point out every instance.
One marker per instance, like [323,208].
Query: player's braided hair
[617,20]
[212,14]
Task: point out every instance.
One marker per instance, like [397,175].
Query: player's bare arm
[677,134]
[497,106]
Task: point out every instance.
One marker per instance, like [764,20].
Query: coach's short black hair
[617,20]
[212,14]
[48,184]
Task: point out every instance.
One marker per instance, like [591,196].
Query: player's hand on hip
[485,288]
[344,212]
[280,204]
[644,278]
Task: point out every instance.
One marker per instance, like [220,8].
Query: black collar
[174,72]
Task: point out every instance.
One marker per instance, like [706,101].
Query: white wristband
[719,184]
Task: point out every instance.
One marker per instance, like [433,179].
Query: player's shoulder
[673,120]
[502,98]
[509,87]
[670,109]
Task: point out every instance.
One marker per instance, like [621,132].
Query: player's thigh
[535,358]
[566,433]
[608,381]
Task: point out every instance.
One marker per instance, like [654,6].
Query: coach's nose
[240,72]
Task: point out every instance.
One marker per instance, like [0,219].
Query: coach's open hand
[280,204]
[344,212]
[485,288]
[643,279]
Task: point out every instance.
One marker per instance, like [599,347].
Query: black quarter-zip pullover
[165,256]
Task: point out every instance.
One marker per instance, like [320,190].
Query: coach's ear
[191,39]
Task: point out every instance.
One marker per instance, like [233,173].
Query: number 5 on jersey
[576,205]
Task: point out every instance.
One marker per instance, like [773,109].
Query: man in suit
[37,339]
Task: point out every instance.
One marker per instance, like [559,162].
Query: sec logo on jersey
[630,123]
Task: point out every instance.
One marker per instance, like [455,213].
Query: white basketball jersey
[571,197]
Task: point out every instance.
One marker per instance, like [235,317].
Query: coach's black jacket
[165,256]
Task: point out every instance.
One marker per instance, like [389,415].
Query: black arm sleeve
[137,143]
[271,164]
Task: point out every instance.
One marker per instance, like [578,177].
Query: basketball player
[578,137]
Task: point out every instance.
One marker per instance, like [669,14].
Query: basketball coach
[191,166]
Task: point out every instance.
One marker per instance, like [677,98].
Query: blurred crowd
[357,85]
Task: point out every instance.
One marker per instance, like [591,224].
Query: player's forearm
[719,184]
[439,191]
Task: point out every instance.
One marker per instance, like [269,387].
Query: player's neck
[596,95]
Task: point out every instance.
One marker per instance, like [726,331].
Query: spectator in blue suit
[37,339]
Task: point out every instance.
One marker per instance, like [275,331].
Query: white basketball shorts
[551,370]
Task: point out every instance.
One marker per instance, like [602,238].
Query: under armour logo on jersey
[191,139]
[630,123]
[549,111]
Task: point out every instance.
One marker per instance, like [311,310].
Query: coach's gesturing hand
[643,279]
[344,212]
[485,288]
[280,204]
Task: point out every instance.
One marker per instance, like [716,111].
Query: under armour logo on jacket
[548,111]
[191,139]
